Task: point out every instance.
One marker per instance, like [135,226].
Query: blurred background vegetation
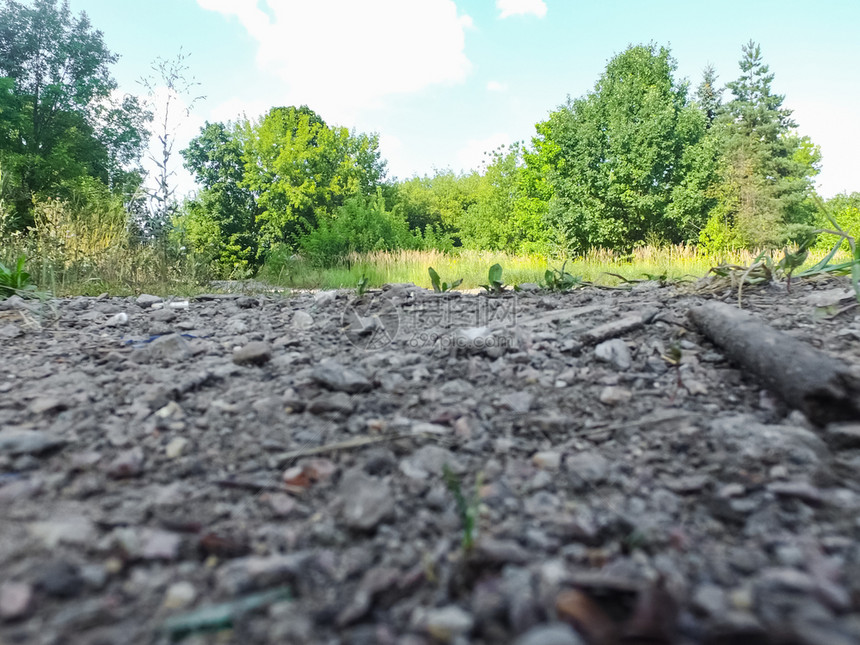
[646,173]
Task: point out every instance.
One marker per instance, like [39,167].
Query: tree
[503,215]
[221,221]
[615,155]
[436,205]
[765,168]
[709,96]
[300,169]
[60,121]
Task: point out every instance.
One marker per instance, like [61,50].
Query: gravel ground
[305,469]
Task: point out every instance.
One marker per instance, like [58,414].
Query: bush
[359,226]
[845,209]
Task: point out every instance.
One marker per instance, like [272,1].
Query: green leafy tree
[503,216]
[437,204]
[220,223]
[615,155]
[59,119]
[765,171]
[301,169]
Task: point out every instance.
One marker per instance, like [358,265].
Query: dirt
[275,468]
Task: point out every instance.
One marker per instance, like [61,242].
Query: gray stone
[529,287]
[254,353]
[179,595]
[163,315]
[446,624]
[15,600]
[429,461]
[335,376]
[302,320]
[843,436]
[749,442]
[709,600]
[615,395]
[251,573]
[323,298]
[126,464]
[78,531]
[587,467]
[799,490]
[551,634]
[117,320]
[47,405]
[339,402]
[145,301]
[518,401]
[366,501]
[60,578]
[10,331]
[482,340]
[28,442]
[614,352]
[170,347]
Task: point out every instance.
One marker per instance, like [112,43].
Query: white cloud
[496,86]
[467,22]
[237,108]
[510,8]
[476,153]
[339,56]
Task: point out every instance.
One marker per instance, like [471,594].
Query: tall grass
[670,263]
[67,258]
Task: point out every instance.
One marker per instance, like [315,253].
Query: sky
[445,81]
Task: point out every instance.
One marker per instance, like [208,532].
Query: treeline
[643,158]
[640,159]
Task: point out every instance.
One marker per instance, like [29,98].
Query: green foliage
[842,211]
[561,280]
[359,226]
[614,157]
[764,176]
[302,171]
[438,204]
[220,224]
[503,216]
[709,95]
[438,285]
[361,286]
[467,509]
[15,280]
[494,280]
[59,121]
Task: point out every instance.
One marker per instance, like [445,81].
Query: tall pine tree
[766,168]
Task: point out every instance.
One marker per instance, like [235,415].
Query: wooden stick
[821,386]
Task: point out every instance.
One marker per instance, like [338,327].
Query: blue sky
[443,81]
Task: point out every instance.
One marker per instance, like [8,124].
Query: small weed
[561,280]
[438,285]
[468,510]
[494,278]
[16,280]
[361,287]
[852,267]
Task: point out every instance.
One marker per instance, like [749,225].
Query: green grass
[673,263]
[133,270]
